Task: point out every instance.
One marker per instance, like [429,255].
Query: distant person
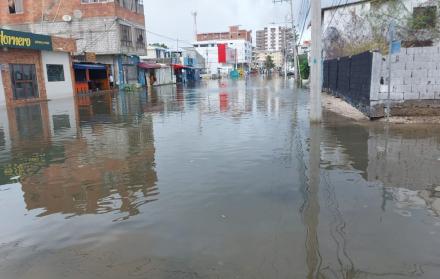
[112,81]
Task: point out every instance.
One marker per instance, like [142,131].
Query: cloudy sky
[172,18]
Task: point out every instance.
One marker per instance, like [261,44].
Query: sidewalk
[339,106]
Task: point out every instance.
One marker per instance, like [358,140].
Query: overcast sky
[173,19]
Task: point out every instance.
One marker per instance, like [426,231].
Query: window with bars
[126,38]
[132,5]
[140,38]
[24,81]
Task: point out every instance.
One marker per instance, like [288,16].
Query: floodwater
[217,180]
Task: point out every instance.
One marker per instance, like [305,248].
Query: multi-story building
[234,33]
[274,38]
[277,58]
[236,40]
[114,30]
[210,51]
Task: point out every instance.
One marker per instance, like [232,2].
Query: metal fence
[350,78]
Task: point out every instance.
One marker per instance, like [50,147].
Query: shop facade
[34,67]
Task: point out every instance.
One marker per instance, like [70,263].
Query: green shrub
[304,66]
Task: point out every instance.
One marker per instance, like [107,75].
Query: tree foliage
[366,31]
[269,64]
[162,45]
[304,66]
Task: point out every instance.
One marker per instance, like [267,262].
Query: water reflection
[220,180]
[312,207]
[405,160]
[95,169]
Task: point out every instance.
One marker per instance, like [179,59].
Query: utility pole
[294,47]
[285,54]
[194,14]
[316,65]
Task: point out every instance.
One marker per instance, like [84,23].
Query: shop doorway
[24,81]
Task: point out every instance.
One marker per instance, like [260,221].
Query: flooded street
[216,180]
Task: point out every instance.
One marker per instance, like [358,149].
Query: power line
[168,38]
[334,13]
[304,24]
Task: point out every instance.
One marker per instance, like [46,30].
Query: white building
[277,58]
[210,51]
[274,37]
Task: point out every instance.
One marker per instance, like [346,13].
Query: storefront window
[24,81]
[55,73]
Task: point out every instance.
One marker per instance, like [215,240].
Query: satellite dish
[67,18]
[77,14]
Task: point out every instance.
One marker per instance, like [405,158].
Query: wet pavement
[216,180]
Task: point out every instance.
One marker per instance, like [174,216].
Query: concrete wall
[100,35]
[415,81]
[58,89]
[2,92]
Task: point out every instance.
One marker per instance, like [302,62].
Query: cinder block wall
[415,82]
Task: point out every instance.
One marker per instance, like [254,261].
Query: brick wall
[54,10]
[17,56]
[96,31]
[63,44]
[234,34]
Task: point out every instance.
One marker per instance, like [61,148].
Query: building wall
[59,89]
[277,58]
[273,38]
[261,40]
[209,51]
[54,10]
[2,91]
[234,34]
[17,56]
[97,30]
[415,82]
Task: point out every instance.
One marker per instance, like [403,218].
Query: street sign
[395,47]
[17,39]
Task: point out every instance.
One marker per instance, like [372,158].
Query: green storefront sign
[17,39]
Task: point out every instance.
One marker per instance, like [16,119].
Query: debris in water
[404,213]
[223,216]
